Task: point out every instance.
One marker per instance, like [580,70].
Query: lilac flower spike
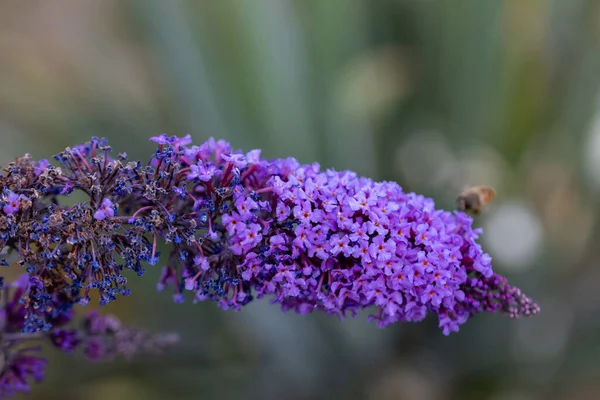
[99,337]
[336,242]
[239,227]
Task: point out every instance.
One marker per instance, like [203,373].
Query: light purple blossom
[203,171]
[106,210]
[238,160]
[12,202]
[161,139]
[40,166]
[253,156]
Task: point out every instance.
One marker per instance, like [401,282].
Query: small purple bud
[65,339]
[94,349]
[190,284]
[178,298]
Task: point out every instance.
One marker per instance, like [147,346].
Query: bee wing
[465,188]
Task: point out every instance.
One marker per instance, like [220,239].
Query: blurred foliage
[432,94]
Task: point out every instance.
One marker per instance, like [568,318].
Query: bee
[475,199]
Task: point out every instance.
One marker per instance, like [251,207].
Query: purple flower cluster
[334,242]
[238,227]
[100,338]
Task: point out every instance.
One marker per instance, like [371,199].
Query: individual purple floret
[106,210]
[239,227]
[11,202]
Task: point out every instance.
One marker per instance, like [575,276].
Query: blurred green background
[435,95]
